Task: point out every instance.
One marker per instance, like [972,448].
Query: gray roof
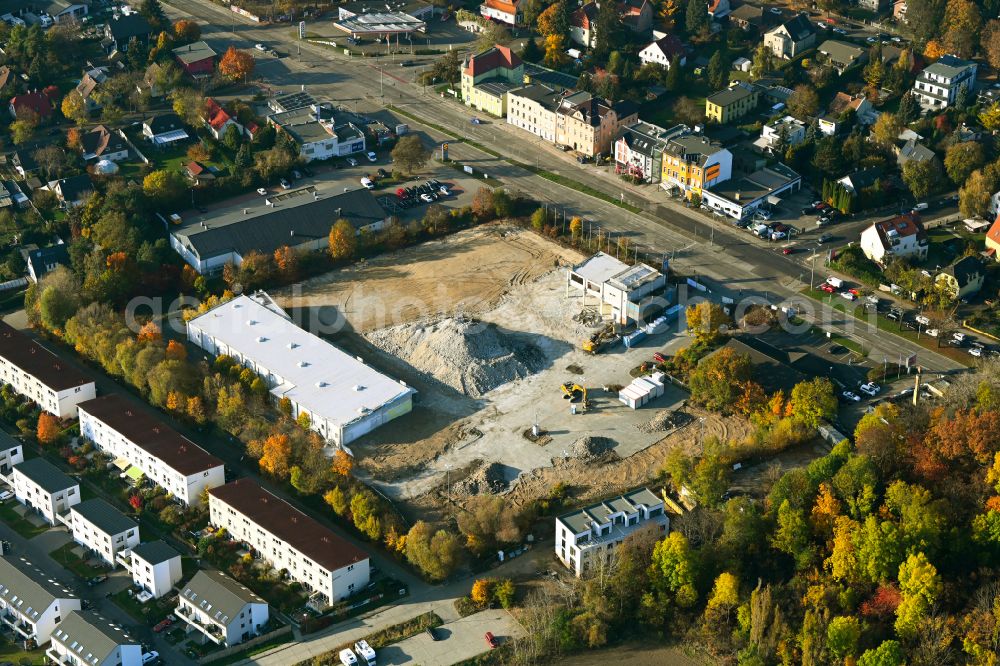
[194,52]
[296,217]
[581,519]
[105,517]
[914,152]
[317,122]
[7,442]
[647,139]
[45,475]
[542,94]
[155,552]
[218,595]
[799,27]
[965,270]
[730,95]
[948,66]
[89,637]
[32,598]
[759,183]
[841,52]
[43,257]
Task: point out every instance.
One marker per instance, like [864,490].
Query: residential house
[11,194]
[86,639]
[663,51]
[198,173]
[88,85]
[42,261]
[320,131]
[842,56]
[912,151]
[964,278]
[73,191]
[302,221]
[24,163]
[41,486]
[217,119]
[636,15]
[586,538]
[693,163]
[937,86]
[132,436]
[750,18]
[739,198]
[30,605]
[994,206]
[31,104]
[792,38]
[832,122]
[860,180]
[732,103]
[899,237]
[155,567]
[786,131]
[36,373]
[582,24]
[11,453]
[102,529]
[196,59]
[101,143]
[120,31]
[992,240]
[151,82]
[877,6]
[164,129]
[488,76]
[326,565]
[503,11]
[639,149]
[899,10]
[223,610]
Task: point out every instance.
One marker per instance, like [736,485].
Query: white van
[347,657]
[365,652]
[920,206]
[835,282]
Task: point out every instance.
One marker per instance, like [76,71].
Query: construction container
[634,338]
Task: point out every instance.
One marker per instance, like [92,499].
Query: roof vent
[251,322]
[303,364]
[362,410]
[292,345]
[358,387]
[320,384]
[261,338]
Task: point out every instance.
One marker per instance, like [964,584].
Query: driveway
[459,640]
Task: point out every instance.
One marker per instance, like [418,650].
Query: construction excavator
[600,339]
[576,394]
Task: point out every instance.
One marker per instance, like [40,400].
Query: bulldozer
[598,340]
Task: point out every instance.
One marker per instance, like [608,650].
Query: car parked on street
[871,388]
[850,396]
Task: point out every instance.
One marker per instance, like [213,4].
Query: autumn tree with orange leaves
[276,453]
[149,332]
[176,351]
[48,429]
[236,65]
[342,463]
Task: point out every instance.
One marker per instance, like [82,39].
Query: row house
[102,529]
[41,486]
[224,611]
[30,606]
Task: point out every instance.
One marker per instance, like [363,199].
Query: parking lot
[456,641]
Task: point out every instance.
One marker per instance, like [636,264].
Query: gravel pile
[664,420]
[487,478]
[592,446]
[470,356]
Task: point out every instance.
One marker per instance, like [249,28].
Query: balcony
[57,658]
[212,632]
[124,558]
[23,628]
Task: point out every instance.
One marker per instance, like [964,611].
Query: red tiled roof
[502,6]
[215,115]
[38,102]
[994,233]
[492,58]
[194,168]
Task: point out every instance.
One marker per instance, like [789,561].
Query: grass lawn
[20,525]
[80,568]
[255,650]
[946,245]
[14,654]
[148,613]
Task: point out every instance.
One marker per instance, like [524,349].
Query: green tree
[56,306]
[889,653]
[435,553]
[793,536]
[164,186]
[763,59]
[696,18]
[717,381]
[924,18]
[409,154]
[920,586]
[538,219]
[814,401]
[974,196]
[608,31]
[909,108]
[923,178]
[674,570]
[153,12]
[718,70]
[842,636]
[803,102]
[232,138]
[961,159]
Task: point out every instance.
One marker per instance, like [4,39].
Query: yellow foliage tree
[481,591]
[176,401]
[196,409]
[176,351]
[576,227]
[934,49]
[343,240]
[236,64]
[342,463]
[74,107]
[555,50]
[705,320]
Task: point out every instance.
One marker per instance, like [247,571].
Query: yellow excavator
[576,394]
[602,337]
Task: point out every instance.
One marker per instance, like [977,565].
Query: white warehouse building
[343,398]
[129,434]
[622,291]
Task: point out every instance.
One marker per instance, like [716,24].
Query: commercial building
[319,131]
[792,38]
[902,236]
[693,163]
[101,528]
[300,219]
[196,59]
[488,76]
[40,485]
[325,564]
[739,198]
[937,86]
[503,11]
[224,611]
[59,11]
[622,292]
[134,438]
[342,397]
[155,567]
[639,149]
[732,103]
[32,608]
[86,639]
[383,20]
[587,538]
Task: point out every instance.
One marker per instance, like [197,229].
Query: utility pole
[812,270]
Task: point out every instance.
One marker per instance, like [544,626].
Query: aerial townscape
[500,332]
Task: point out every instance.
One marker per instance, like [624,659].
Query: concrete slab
[460,640]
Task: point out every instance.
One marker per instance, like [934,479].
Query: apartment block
[732,103]
[692,163]
[30,608]
[325,564]
[937,86]
[36,373]
[86,639]
[40,485]
[102,528]
[155,567]
[587,538]
[223,610]
[134,437]
[11,453]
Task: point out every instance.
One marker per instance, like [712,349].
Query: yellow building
[732,103]
[487,77]
[692,164]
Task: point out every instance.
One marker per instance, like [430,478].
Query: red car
[855,292]
[162,625]
[822,206]
[659,358]
[788,250]
[828,288]
[491,640]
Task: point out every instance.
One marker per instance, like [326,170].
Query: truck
[365,653]
[347,657]
[835,282]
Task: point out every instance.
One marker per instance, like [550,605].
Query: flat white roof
[316,375]
[600,268]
